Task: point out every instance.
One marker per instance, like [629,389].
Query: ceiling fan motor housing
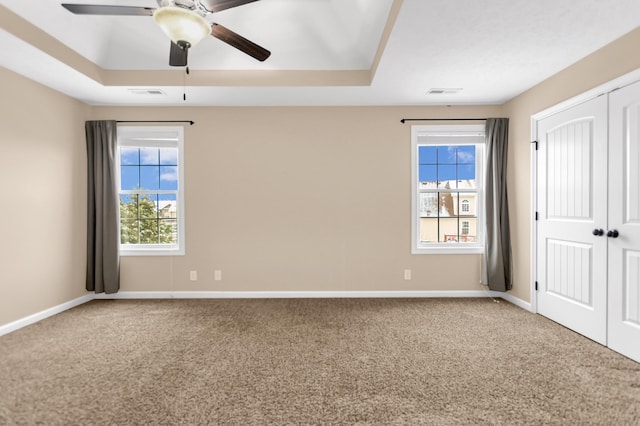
[184,26]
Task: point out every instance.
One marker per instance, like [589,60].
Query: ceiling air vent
[148,92]
[444,91]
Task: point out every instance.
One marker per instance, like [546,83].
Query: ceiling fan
[186,22]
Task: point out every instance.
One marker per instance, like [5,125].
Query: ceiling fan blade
[96,9]
[178,55]
[218,5]
[239,42]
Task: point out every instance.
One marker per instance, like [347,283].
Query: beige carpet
[323,361]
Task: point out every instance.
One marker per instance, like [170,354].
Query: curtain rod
[442,119]
[155,121]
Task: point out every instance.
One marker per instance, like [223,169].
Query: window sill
[448,250]
[152,252]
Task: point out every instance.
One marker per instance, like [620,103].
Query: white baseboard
[313,295]
[515,300]
[291,294]
[31,319]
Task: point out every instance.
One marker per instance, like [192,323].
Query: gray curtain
[103,260]
[497,251]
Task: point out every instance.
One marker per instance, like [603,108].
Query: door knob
[598,232]
[613,234]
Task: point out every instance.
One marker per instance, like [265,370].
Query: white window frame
[155,136]
[447,135]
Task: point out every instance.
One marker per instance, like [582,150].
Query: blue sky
[446,162]
[150,169]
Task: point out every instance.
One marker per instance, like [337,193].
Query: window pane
[149,156]
[448,230]
[428,174]
[447,154]
[168,177]
[427,155]
[468,231]
[167,206]
[148,231]
[468,204]
[467,176]
[428,205]
[150,177]
[129,155]
[129,206]
[447,177]
[466,155]
[428,230]
[168,231]
[464,227]
[446,205]
[129,233]
[168,156]
[147,206]
[129,178]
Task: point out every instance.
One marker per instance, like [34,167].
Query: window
[465,228]
[447,163]
[150,182]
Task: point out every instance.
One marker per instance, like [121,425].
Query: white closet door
[624,217]
[572,203]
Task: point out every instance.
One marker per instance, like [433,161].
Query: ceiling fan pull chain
[184,84]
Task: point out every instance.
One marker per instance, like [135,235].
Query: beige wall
[296,199]
[43,187]
[610,62]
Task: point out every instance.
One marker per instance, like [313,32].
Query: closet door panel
[624,222]
[571,199]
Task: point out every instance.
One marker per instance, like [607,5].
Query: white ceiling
[493,50]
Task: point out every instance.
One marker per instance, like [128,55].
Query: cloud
[128,155]
[148,155]
[169,174]
[158,156]
[466,157]
[451,151]
[168,156]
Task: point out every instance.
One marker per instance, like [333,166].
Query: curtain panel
[103,259]
[497,255]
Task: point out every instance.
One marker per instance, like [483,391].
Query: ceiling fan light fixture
[182,25]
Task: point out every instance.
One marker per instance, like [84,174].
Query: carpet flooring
[310,361]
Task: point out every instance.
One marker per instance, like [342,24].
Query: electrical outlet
[407,274]
[217,275]
[193,275]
